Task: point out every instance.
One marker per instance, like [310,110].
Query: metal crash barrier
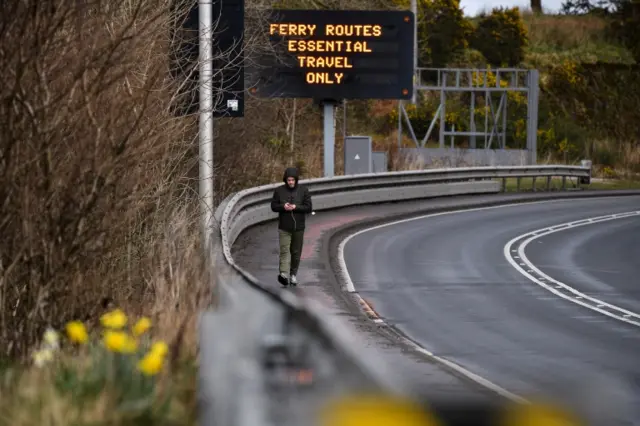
[268,357]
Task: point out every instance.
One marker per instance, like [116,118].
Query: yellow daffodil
[151,363]
[42,357]
[77,332]
[119,341]
[159,348]
[115,319]
[141,326]
[51,338]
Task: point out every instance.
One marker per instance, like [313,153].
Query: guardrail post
[564,183]
[548,183]
[533,84]
[534,184]
[587,180]
[518,181]
[504,184]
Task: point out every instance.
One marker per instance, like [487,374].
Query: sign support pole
[329,137]
[205,133]
[414,9]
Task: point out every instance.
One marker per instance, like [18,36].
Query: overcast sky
[473,7]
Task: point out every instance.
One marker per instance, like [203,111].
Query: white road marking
[537,276]
[344,272]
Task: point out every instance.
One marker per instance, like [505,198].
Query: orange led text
[324,77]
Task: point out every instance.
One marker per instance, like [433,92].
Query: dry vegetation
[95,191]
[94,188]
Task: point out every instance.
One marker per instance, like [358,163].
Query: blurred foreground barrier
[377,410]
[268,357]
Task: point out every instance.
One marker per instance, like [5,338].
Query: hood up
[290,172]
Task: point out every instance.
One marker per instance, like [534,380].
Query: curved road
[445,283]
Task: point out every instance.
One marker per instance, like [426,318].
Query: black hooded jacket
[299,195]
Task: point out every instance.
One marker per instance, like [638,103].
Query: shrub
[561,138]
[88,147]
[443,31]
[501,37]
[625,24]
[600,97]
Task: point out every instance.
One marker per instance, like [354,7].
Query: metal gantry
[475,81]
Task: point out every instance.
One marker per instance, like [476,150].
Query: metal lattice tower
[458,80]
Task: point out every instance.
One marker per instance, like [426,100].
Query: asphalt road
[444,282]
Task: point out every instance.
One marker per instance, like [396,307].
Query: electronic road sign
[336,54]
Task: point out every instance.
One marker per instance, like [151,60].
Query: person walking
[292,202]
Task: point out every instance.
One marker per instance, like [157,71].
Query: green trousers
[290,251]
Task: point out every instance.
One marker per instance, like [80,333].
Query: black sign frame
[383,71]
[228,80]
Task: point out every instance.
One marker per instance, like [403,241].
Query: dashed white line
[545,281]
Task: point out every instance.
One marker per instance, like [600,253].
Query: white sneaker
[293,280]
[282,279]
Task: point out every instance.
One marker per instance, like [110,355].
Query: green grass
[615,184]
[542,56]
